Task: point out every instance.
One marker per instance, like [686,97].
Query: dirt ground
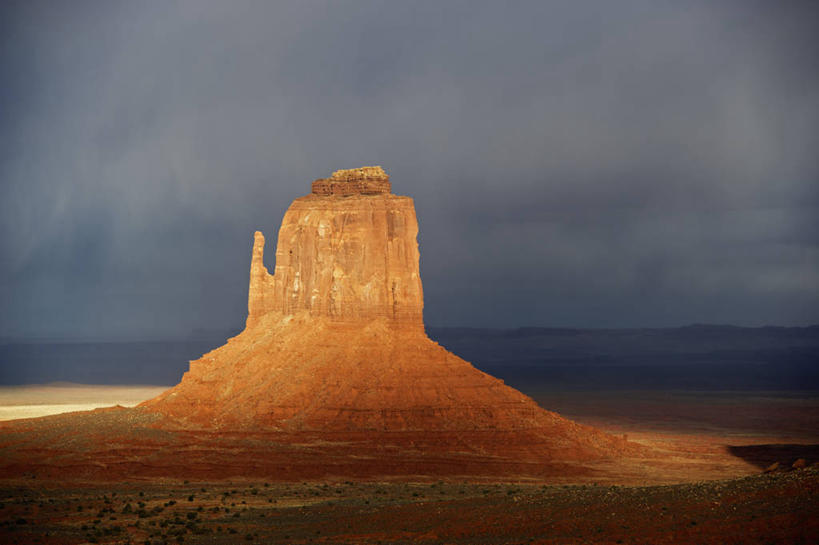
[780,507]
[704,482]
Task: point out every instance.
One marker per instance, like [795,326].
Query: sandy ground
[35,400]
[774,508]
[717,444]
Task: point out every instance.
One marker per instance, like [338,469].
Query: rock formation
[334,342]
[348,259]
[333,377]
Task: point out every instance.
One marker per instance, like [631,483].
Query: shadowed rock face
[335,342]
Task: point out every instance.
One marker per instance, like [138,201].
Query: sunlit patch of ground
[35,400]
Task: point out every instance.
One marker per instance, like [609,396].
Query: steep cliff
[347,259]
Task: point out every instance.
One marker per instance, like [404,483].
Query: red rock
[334,342]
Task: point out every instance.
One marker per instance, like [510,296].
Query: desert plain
[707,484]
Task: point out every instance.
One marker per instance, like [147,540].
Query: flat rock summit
[334,373]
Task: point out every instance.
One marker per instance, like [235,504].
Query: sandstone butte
[332,375]
[335,342]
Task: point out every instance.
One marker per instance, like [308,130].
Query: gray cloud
[590,164]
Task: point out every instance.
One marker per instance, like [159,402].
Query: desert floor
[779,507]
[725,497]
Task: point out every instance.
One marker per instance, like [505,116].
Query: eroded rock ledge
[354,181]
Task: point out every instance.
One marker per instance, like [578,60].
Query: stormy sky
[589,164]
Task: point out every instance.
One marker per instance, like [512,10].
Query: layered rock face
[348,259]
[364,180]
[335,343]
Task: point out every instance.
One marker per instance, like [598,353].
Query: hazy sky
[601,164]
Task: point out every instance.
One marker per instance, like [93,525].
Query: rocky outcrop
[334,343]
[347,259]
[354,181]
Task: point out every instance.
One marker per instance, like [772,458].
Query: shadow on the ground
[763,456]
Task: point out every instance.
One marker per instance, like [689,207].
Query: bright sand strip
[44,399]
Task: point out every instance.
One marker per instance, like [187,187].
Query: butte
[333,376]
[334,344]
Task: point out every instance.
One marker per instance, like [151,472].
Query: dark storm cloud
[573,163]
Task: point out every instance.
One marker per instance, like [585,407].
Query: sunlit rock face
[347,258]
[334,342]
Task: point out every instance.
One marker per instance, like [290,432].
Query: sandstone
[364,181]
[334,343]
[344,259]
